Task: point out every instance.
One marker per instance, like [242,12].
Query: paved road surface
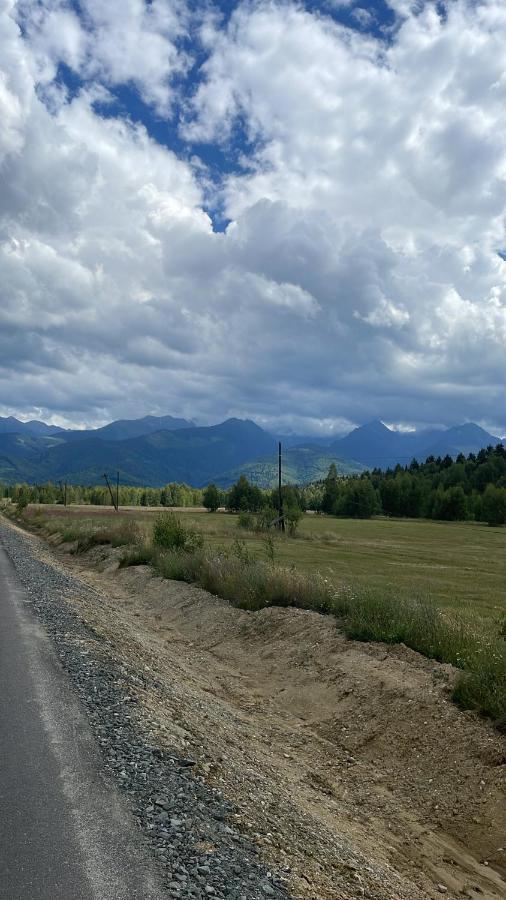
[64,832]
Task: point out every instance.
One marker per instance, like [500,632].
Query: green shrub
[246,520]
[240,550]
[265,518]
[169,533]
[138,556]
[177,565]
[293,515]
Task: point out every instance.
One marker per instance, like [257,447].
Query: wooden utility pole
[110,491]
[63,489]
[281,515]
[117,491]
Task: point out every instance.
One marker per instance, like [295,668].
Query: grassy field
[462,565]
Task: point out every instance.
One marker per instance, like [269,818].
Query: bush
[265,518]
[246,520]
[178,565]
[169,533]
[293,515]
[138,556]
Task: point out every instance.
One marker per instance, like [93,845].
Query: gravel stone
[154,779]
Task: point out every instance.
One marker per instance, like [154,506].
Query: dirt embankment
[347,762]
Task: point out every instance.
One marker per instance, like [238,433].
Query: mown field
[462,565]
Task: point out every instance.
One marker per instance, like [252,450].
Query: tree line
[171,495]
[443,488]
[469,487]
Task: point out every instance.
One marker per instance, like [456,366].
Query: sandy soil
[347,762]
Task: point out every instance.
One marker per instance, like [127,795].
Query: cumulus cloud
[359,276]
[117,42]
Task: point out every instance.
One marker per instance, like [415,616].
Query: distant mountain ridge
[193,455]
[376,446]
[11,425]
[123,429]
[157,449]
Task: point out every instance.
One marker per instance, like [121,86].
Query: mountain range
[155,450]
[375,445]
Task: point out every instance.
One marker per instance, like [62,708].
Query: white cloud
[117,42]
[397,152]
[359,276]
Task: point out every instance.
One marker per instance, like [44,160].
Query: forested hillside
[472,487]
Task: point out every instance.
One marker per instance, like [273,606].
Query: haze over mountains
[155,450]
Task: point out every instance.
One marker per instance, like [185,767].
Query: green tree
[244,496]
[450,505]
[331,492]
[359,500]
[493,507]
[390,494]
[211,498]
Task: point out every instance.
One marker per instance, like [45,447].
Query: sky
[285,211]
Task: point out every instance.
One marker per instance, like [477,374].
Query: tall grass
[418,623]
[89,533]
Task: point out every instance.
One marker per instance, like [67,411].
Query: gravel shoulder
[185,821]
[65,831]
[338,769]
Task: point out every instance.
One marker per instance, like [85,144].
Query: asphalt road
[65,833]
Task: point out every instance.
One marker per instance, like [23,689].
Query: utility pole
[280,494]
[63,489]
[117,491]
[110,491]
